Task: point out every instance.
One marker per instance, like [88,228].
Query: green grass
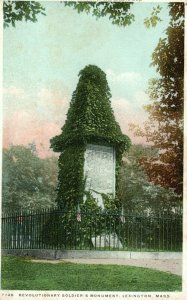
[23,274]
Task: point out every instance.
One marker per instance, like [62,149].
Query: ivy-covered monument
[91,143]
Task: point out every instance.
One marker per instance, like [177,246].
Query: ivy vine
[90,119]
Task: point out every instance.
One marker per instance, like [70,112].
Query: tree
[118,12]
[14,11]
[137,193]
[90,118]
[133,181]
[164,128]
[28,182]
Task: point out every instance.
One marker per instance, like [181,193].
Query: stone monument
[91,144]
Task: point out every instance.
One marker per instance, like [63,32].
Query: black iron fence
[59,229]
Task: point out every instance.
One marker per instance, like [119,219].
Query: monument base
[107,241]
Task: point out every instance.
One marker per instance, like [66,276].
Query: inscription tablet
[99,170]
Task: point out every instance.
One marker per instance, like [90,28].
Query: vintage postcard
[93,150]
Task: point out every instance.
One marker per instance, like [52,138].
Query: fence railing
[59,229]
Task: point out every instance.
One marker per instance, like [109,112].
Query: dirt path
[166,265]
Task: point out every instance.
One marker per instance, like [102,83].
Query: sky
[41,62]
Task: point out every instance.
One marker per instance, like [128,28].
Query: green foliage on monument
[90,119]
[63,229]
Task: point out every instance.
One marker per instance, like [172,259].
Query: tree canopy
[118,12]
[135,190]
[164,128]
[28,182]
[14,11]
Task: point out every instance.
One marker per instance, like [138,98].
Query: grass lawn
[22,274]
